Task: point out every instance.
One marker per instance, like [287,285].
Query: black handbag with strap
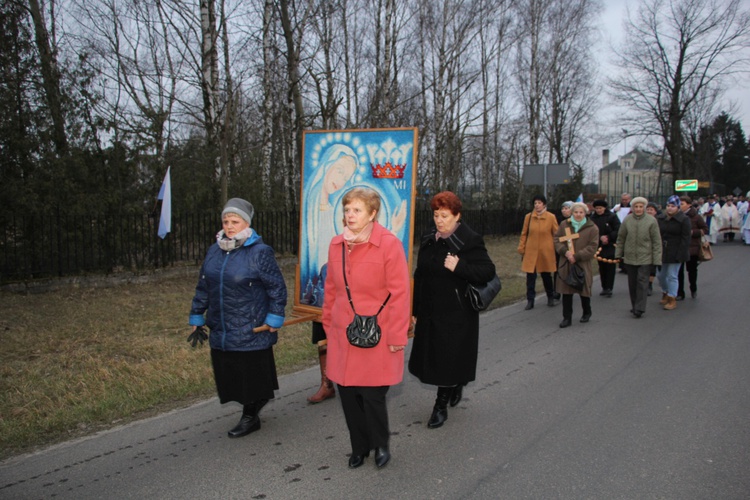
[363,331]
[481,296]
[576,277]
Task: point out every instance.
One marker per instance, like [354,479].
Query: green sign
[686,185]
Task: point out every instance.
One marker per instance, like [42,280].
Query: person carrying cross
[576,242]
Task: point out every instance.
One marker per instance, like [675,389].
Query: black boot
[440,410]
[456,395]
[250,421]
[529,304]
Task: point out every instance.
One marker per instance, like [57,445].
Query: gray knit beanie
[240,207]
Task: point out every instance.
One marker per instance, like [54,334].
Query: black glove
[198,335]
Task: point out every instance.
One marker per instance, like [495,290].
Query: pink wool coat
[537,243]
[373,269]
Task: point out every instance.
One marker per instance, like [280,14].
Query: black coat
[608,224]
[446,336]
[675,237]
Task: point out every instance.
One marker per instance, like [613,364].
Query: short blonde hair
[368,196]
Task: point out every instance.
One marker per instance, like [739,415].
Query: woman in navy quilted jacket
[241,288]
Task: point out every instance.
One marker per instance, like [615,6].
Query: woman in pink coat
[375,266]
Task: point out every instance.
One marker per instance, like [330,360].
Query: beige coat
[585,250]
[537,243]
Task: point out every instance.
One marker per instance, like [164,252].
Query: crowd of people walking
[365,318]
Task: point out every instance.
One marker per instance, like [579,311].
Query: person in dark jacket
[698,228]
[241,296]
[653,210]
[674,227]
[608,224]
[446,335]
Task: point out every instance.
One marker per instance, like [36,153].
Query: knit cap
[674,200]
[240,207]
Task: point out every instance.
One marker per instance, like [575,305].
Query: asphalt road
[657,407]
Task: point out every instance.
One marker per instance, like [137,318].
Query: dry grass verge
[81,359]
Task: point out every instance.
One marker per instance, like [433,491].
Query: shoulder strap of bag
[348,293]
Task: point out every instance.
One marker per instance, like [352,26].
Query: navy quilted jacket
[238,291]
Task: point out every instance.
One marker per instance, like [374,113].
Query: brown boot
[671,303]
[326,390]
[664,299]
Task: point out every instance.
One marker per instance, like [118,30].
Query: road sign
[686,185]
[553,173]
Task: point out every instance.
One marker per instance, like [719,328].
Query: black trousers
[567,303]
[692,269]
[366,417]
[531,285]
[607,274]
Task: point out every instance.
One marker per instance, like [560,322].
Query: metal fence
[34,246]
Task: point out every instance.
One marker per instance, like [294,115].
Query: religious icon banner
[334,162]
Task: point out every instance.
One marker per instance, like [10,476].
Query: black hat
[600,203]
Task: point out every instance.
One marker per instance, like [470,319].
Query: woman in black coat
[446,335]
[608,224]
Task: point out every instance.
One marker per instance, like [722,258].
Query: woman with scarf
[446,335]
[367,273]
[580,240]
[241,289]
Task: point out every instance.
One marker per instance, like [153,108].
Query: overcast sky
[612,30]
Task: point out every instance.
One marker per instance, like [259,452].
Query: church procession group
[645,241]
[368,306]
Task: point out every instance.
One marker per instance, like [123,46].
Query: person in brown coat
[538,250]
[698,229]
[582,254]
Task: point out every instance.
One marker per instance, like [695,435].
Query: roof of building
[643,161]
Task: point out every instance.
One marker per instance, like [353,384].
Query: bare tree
[494,42]
[570,98]
[294,21]
[448,32]
[532,59]
[675,51]
[267,139]
[132,42]
[50,76]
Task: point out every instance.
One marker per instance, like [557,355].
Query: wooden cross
[568,238]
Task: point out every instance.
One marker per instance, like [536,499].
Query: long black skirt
[244,376]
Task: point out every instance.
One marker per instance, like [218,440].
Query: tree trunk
[50,78]
[267,117]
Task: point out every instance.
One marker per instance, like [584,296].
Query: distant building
[637,173]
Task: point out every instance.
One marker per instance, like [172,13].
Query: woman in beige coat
[538,250]
[582,254]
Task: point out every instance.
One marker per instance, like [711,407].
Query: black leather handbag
[363,331]
[576,277]
[481,296]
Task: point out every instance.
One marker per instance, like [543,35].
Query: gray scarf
[228,244]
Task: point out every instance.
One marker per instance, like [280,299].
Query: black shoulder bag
[481,296]
[363,331]
[576,277]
